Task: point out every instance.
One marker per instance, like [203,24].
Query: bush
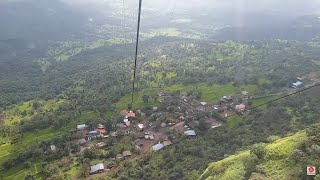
[259,150]
[9,163]
[27,164]
[271,139]
[29,177]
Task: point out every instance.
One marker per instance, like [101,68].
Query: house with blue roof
[157,147]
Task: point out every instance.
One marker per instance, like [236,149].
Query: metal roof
[151,137]
[157,147]
[190,133]
[96,168]
[141,126]
[297,83]
[81,126]
[126,153]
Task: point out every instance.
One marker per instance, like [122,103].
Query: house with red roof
[131,115]
[240,107]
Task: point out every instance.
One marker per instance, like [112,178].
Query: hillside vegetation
[276,162]
[93,85]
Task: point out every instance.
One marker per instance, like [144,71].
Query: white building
[81,126]
[97,168]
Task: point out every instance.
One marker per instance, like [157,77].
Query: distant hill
[261,26]
[36,20]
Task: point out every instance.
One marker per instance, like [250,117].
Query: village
[150,130]
[177,117]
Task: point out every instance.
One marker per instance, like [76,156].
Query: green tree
[259,150]
[29,177]
[50,170]
[27,164]
[23,113]
[35,105]
[145,99]
[84,170]
[203,125]
[130,106]
[250,165]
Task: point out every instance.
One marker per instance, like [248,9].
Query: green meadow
[210,93]
[16,114]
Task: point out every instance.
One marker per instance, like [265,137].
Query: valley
[218,96]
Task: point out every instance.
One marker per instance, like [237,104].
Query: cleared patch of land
[210,93]
[163,32]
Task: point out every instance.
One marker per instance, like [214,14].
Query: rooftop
[297,83]
[100,144]
[151,137]
[97,167]
[93,132]
[81,126]
[100,126]
[53,147]
[190,133]
[126,153]
[203,103]
[141,126]
[245,93]
[131,114]
[167,143]
[157,147]
[241,107]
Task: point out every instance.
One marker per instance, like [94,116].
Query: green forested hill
[65,63]
[95,84]
[285,158]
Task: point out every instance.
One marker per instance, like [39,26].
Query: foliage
[275,167]
[90,82]
[258,150]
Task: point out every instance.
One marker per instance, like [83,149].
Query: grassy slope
[260,101]
[30,139]
[276,164]
[13,114]
[34,169]
[210,93]
[234,121]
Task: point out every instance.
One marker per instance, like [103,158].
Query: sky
[280,7]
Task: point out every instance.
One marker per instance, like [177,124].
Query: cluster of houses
[143,138]
[147,139]
[153,140]
[236,103]
[101,167]
[127,121]
[91,133]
